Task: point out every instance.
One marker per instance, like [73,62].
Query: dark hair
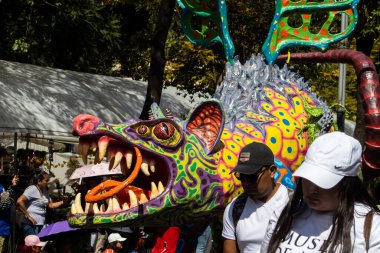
[112,245]
[39,177]
[351,191]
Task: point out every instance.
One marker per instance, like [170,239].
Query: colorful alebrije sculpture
[283,35]
[179,171]
[204,23]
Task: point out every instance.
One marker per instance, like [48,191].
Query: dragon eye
[163,130]
[143,130]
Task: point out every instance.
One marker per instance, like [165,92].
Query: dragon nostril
[84,123]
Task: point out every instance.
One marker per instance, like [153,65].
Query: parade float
[178,171]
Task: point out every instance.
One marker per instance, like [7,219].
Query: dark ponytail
[351,190]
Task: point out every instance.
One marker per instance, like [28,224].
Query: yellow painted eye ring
[163,130]
[143,130]
[172,141]
[170,137]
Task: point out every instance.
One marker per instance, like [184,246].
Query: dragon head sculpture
[179,170]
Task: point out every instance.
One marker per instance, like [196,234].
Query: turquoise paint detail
[206,36]
[287,181]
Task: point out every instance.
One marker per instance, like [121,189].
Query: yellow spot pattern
[281,133]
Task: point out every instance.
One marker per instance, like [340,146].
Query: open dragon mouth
[146,177]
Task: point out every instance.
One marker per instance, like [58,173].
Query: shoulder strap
[367,228]
[238,208]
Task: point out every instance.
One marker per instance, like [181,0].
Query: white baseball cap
[330,157]
[116,237]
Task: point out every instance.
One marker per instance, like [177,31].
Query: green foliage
[370,23]
[114,38]
[193,69]
[72,165]
[196,69]
[70,34]
[249,23]
[324,80]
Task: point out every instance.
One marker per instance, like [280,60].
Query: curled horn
[169,114]
[369,89]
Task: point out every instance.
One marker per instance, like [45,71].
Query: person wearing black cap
[246,218]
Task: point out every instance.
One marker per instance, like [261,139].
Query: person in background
[204,241]
[331,210]
[33,203]
[246,218]
[115,243]
[6,202]
[32,245]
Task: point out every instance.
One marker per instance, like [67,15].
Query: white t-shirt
[253,222]
[36,203]
[311,229]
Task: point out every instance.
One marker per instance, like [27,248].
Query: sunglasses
[253,177]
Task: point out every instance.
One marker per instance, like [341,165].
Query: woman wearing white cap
[115,243]
[331,210]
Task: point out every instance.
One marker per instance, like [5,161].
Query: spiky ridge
[242,89]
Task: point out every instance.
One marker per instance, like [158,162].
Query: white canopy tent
[42,102]
[38,104]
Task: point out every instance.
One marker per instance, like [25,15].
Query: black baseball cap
[253,157]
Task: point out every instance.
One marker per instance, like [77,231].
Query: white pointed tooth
[154,191]
[109,205]
[133,199]
[73,210]
[128,158]
[115,204]
[117,160]
[144,168]
[143,198]
[95,208]
[160,187]
[87,207]
[152,166]
[102,208]
[125,206]
[102,147]
[78,205]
